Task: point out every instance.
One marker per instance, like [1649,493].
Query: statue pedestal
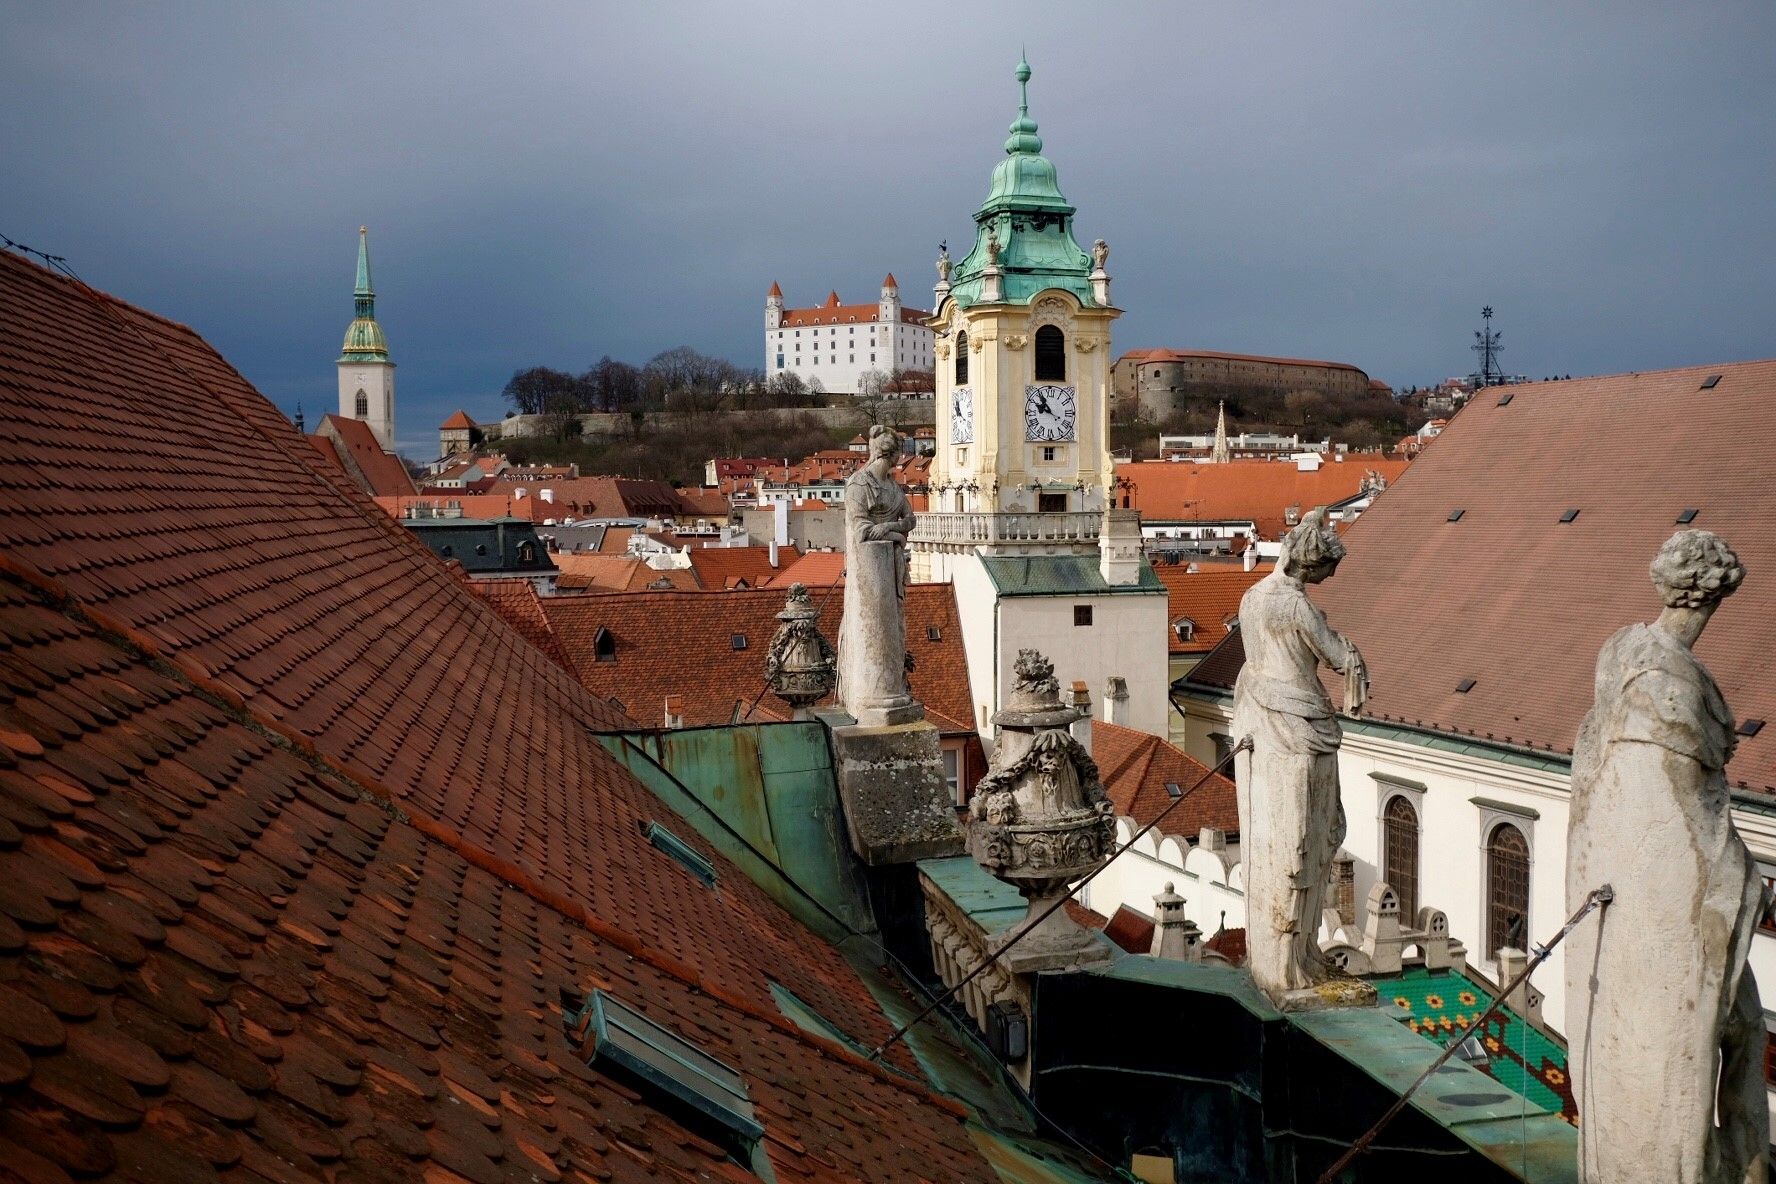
[1327,996]
[1057,943]
[891,782]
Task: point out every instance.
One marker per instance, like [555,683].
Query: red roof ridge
[502,869]
[889,282]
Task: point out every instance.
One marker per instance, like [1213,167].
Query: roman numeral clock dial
[962,416]
[1051,414]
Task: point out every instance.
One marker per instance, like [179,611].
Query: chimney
[1174,935]
[1119,547]
[674,711]
[1116,700]
[547,495]
[773,552]
[780,522]
[1249,561]
[1079,698]
[1211,838]
[1526,1001]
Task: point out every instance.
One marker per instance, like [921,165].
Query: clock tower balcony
[1009,532]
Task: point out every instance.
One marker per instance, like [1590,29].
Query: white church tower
[1027,517]
[366,376]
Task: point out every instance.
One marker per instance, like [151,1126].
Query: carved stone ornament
[943,349]
[1040,819]
[1100,254]
[1016,341]
[800,668]
[1085,345]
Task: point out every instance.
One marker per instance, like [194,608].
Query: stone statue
[1100,252]
[992,248]
[872,631]
[1291,819]
[1662,1014]
[800,669]
[1040,819]
[943,265]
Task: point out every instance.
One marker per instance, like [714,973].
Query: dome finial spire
[1024,139]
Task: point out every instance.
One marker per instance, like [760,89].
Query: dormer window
[1051,354]
[1185,628]
[604,645]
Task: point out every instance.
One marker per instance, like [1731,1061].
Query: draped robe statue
[1291,819]
[872,631]
[1665,1030]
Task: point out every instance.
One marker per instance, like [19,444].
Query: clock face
[1050,413]
[962,416]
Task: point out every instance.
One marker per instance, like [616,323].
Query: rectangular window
[952,765]
[1082,614]
[1048,453]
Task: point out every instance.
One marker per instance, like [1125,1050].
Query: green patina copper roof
[1061,575]
[1030,217]
[364,341]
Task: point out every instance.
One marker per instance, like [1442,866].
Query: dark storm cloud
[547,184]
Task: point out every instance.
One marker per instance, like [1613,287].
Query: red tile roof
[681,643]
[351,448]
[617,573]
[1135,768]
[1208,597]
[517,601]
[834,313]
[717,568]
[1131,929]
[816,569]
[459,420]
[219,958]
[1246,490]
[1520,602]
[352,892]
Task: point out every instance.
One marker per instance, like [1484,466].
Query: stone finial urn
[800,668]
[1040,819]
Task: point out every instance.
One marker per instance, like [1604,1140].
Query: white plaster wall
[1210,882]
[897,344]
[977,614]
[1126,638]
[1451,857]
[377,381]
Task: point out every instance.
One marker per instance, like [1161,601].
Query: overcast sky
[548,183]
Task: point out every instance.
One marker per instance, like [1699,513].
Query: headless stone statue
[872,631]
[1663,1021]
[1291,819]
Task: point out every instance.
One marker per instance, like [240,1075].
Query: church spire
[1023,139]
[1222,453]
[364,341]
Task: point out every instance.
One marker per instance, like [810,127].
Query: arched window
[1507,890]
[527,553]
[962,358]
[363,406]
[1051,354]
[1399,825]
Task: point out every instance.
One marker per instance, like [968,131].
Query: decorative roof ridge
[121,634]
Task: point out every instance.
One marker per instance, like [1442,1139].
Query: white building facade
[836,344]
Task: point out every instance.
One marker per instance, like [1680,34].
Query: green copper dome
[1027,213]
[364,341]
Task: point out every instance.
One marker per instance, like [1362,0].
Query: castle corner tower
[366,376]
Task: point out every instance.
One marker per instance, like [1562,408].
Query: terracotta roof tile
[355,452]
[459,420]
[681,643]
[816,569]
[1257,491]
[717,568]
[1521,602]
[381,882]
[1185,355]
[1207,597]
[517,601]
[288,980]
[1136,768]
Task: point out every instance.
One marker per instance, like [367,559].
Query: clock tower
[1025,514]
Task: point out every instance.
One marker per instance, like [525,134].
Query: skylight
[1687,517]
[1709,383]
[1464,686]
[738,641]
[681,851]
[1505,400]
[667,1066]
[1456,515]
[1569,516]
[1174,790]
[1751,727]
[933,633]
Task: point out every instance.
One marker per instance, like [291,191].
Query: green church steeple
[1031,220]
[363,338]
